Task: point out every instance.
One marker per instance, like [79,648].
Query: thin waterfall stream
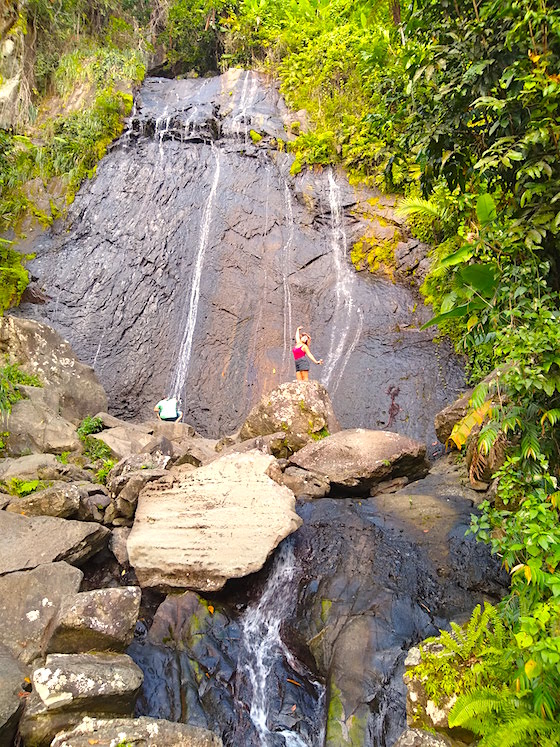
[288,247]
[345,311]
[185,348]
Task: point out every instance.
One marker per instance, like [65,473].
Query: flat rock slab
[29,541]
[218,522]
[353,461]
[71,686]
[29,600]
[12,676]
[141,732]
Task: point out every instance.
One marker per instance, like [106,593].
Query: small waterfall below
[345,309]
[262,648]
[184,356]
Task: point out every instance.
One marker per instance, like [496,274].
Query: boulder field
[347,545]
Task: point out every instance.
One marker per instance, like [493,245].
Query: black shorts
[302,364]
[170,420]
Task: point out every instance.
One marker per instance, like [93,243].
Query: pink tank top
[298,353]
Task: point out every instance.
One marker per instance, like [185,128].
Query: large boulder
[142,732]
[71,686]
[29,541]
[353,461]
[28,466]
[301,409]
[100,620]
[218,522]
[125,440]
[39,350]
[29,601]
[35,425]
[12,676]
[62,500]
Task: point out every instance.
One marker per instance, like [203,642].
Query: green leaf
[485,209]
[455,313]
[481,278]
[458,257]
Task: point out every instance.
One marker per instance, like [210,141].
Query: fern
[530,446]
[523,731]
[474,710]
[410,206]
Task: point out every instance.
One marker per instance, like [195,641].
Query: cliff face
[187,262]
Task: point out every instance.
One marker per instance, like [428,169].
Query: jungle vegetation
[452,104]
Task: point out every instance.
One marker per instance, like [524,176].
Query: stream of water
[261,647]
[347,316]
[288,246]
[184,356]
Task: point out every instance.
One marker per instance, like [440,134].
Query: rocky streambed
[261,589]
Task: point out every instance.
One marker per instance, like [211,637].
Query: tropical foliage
[458,109]
[454,104]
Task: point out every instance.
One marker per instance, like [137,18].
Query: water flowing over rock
[186,263]
[218,522]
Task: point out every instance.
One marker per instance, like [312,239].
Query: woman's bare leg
[299,375]
[304,375]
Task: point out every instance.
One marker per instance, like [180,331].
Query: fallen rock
[98,620]
[29,600]
[302,410]
[35,426]
[274,443]
[220,521]
[302,482]
[26,467]
[117,544]
[124,440]
[353,461]
[62,500]
[419,738]
[71,686]
[141,732]
[30,541]
[12,676]
[39,350]
[194,450]
[172,431]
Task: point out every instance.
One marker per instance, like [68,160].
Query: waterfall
[247,98]
[261,646]
[186,343]
[285,275]
[345,310]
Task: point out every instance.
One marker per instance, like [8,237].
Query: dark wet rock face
[188,261]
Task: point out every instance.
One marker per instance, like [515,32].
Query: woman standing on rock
[302,355]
